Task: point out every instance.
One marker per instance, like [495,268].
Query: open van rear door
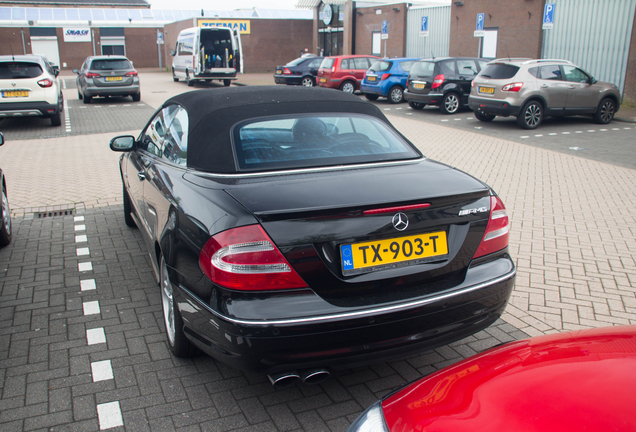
[197,48]
[238,51]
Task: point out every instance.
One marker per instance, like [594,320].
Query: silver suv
[533,89]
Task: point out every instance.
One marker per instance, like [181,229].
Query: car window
[175,142]
[111,64]
[304,141]
[482,64]
[361,63]
[499,71]
[186,47]
[447,67]
[327,63]
[20,70]
[551,72]
[466,67]
[574,74]
[296,62]
[381,66]
[152,137]
[346,64]
[423,69]
[315,63]
[407,65]
[534,71]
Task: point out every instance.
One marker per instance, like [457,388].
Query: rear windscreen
[423,69]
[296,62]
[317,140]
[381,66]
[327,63]
[20,70]
[499,71]
[110,64]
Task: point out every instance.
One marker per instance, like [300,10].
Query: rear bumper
[373,89]
[351,337]
[288,79]
[112,91]
[493,107]
[428,99]
[27,109]
[330,83]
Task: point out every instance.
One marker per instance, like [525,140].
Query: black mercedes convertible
[294,231]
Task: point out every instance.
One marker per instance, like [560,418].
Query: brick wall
[141,47]
[74,53]
[518,21]
[629,94]
[368,21]
[12,41]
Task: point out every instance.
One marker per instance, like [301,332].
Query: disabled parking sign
[548,16]
[479,28]
[424,27]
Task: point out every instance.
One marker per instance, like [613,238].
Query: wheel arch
[611,96]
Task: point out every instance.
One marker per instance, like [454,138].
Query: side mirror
[1,139]
[56,71]
[76,71]
[593,80]
[123,143]
[172,53]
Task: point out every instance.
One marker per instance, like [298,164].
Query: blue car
[387,78]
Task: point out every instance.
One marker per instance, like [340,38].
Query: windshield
[316,140]
[19,70]
[381,66]
[423,68]
[111,64]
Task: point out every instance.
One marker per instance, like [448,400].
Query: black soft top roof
[213,112]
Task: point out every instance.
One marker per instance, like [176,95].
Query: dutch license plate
[15,93]
[382,252]
[419,86]
[278,71]
[371,78]
[323,80]
[113,79]
[488,90]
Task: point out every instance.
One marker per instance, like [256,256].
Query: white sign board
[77,34]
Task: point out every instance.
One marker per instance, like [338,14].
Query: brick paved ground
[573,237]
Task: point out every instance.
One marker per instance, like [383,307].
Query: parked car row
[527,89]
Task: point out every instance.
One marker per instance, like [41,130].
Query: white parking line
[109,415]
[457,119]
[91,308]
[80,227]
[88,284]
[95,336]
[539,135]
[78,218]
[565,133]
[603,130]
[578,132]
[445,120]
[83,251]
[591,130]
[102,370]
[525,136]
[627,128]
[552,134]
[398,108]
[81,239]
[85,266]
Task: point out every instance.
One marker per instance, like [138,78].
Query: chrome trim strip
[349,315]
[306,170]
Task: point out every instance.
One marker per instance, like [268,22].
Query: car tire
[531,115]
[227,82]
[56,119]
[87,99]
[416,105]
[348,87]
[371,97]
[174,77]
[484,117]
[5,229]
[605,111]
[127,211]
[189,82]
[136,97]
[79,95]
[396,95]
[307,82]
[450,103]
[178,343]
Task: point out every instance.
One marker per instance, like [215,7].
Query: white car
[29,88]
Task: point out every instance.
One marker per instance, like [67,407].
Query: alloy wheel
[532,116]
[307,82]
[348,87]
[396,95]
[607,111]
[167,302]
[451,103]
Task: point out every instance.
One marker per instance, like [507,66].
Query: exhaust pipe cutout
[284,379]
[314,376]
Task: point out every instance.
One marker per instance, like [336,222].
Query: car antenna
[507,53]
[12,55]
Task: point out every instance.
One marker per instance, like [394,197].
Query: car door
[583,97]
[552,88]
[361,65]
[314,65]
[466,72]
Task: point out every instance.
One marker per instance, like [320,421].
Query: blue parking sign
[424,24]
[548,16]
[480,21]
[385,27]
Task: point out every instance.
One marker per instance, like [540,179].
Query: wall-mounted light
[396,9]
[458,3]
[489,16]
[529,14]
[359,12]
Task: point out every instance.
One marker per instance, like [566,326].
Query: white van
[204,53]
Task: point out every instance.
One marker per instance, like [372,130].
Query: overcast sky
[220,5]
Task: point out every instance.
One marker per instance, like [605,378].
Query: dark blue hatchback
[387,78]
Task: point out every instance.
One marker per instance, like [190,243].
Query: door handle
[571,87]
[141,175]
[545,86]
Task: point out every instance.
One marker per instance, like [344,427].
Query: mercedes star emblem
[400,221]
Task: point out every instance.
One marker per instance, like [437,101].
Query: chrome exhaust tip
[314,376]
[284,379]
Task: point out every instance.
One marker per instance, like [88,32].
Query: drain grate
[53,213]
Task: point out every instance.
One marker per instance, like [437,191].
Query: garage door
[46,45]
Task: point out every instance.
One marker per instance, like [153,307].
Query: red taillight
[514,87]
[407,82]
[438,81]
[472,83]
[286,72]
[246,259]
[132,73]
[385,76]
[497,231]
[45,83]
[92,75]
